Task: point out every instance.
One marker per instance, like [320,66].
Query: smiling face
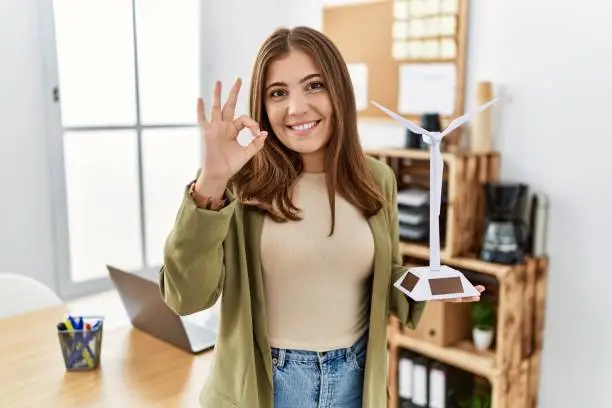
[300,79]
[299,107]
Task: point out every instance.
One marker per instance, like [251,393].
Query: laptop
[141,298]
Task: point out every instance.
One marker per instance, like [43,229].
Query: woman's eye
[316,85]
[276,93]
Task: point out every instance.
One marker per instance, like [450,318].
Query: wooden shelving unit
[464,175]
[512,367]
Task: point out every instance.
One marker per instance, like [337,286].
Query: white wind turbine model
[435,281]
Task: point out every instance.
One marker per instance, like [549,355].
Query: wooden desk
[136,370]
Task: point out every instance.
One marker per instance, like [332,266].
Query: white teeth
[305,126]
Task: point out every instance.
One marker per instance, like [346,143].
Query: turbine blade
[405,122]
[466,117]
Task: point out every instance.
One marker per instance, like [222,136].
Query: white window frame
[67,288]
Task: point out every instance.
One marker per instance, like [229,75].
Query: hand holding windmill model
[436,281]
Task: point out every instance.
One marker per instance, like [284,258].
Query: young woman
[298,232]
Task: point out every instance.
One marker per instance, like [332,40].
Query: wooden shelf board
[416,154]
[419,154]
[462,356]
[422,251]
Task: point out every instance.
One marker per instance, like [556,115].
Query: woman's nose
[298,105]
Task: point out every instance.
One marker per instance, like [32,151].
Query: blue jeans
[309,379]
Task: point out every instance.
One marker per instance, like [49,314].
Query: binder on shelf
[448,385]
[438,386]
[420,383]
[413,215]
[405,368]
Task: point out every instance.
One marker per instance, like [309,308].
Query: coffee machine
[506,232]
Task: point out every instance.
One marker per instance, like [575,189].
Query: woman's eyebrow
[306,78]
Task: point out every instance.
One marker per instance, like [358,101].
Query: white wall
[554,60]
[25,214]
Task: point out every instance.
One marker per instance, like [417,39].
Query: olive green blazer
[209,253]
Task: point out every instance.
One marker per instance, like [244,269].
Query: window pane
[168,60]
[171,158]
[103,202]
[95,52]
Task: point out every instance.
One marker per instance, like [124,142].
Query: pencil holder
[80,340]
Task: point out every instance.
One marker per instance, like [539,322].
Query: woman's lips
[304,128]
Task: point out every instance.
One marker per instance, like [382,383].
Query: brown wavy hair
[268,179]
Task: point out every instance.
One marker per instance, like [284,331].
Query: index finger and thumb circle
[227,113]
[245,121]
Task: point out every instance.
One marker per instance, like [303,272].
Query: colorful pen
[81,347]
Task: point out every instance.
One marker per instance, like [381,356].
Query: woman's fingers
[229,108]
[201,113]
[468,299]
[259,137]
[256,144]
[245,121]
[479,288]
[216,103]
[217,113]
